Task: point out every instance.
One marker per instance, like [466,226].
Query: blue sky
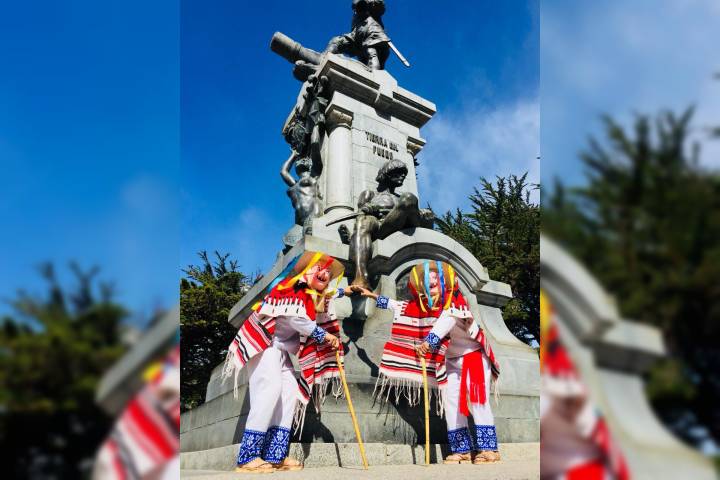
[622,58]
[89,145]
[477,61]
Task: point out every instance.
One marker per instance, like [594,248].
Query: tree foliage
[647,224]
[207,293]
[53,352]
[502,229]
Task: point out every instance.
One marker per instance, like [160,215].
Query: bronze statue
[367,39]
[304,133]
[303,192]
[381,213]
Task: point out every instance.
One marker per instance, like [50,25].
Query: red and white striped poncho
[400,370]
[318,365]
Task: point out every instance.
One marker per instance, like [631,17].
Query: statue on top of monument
[381,213]
[367,40]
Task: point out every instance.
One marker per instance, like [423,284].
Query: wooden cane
[427,410]
[352,410]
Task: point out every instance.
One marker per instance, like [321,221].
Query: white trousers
[482,414]
[273,390]
[459,437]
[273,396]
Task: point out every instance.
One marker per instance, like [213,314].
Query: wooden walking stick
[352,410]
[427,411]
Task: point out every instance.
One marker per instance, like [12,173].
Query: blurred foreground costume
[575,442]
[293,319]
[144,444]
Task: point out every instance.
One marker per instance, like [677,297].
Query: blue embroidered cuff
[486,437]
[459,440]
[318,334]
[382,302]
[433,340]
[340,292]
[251,446]
[277,444]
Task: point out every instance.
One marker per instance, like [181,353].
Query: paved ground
[505,470]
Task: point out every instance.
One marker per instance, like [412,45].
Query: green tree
[53,352]
[647,224]
[207,293]
[502,230]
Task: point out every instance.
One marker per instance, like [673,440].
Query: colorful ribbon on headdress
[426,267]
[441,280]
[290,283]
[451,273]
[417,285]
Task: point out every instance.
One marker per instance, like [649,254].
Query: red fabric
[473,371]
[613,457]
[556,361]
[589,471]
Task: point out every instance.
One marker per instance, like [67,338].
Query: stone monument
[368,122]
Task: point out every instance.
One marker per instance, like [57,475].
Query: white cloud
[477,142]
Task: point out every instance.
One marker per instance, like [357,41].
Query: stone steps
[348,455]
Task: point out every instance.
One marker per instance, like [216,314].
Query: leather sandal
[256,465]
[288,465]
[486,456]
[456,458]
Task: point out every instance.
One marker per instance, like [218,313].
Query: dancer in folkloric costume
[470,364]
[576,442]
[296,318]
[400,370]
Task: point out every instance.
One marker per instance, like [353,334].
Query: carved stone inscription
[381,147]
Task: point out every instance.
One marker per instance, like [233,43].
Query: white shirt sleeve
[386,303]
[302,325]
[443,325]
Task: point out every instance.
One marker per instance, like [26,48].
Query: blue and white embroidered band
[382,302]
[340,292]
[251,446]
[433,340]
[459,440]
[318,334]
[486,437]
[277,444]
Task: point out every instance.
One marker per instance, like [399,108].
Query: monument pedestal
[370,120]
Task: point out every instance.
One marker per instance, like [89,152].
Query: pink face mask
[434,283]
[318,277]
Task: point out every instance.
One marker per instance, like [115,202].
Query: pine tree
[53,352]
[502,232]
[207,293]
